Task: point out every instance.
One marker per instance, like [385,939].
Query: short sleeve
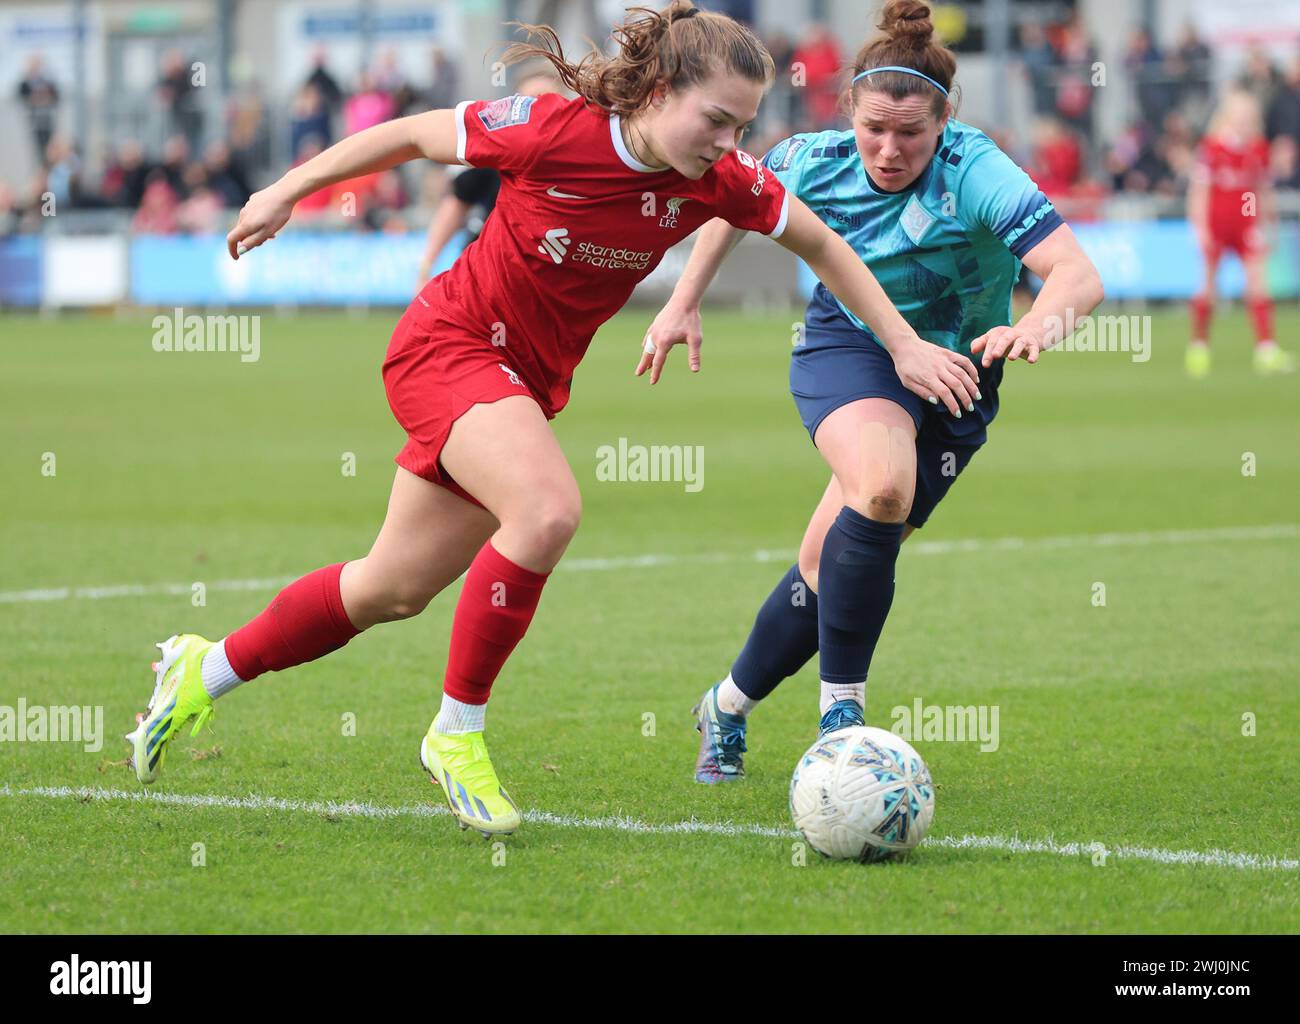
[749,196]
[508,134]
[1001,197]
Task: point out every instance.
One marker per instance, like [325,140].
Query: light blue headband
[906,71]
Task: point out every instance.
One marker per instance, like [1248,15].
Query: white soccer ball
[862,794]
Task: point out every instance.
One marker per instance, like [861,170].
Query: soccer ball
[862,794]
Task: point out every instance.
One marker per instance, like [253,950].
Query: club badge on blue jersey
[915,220]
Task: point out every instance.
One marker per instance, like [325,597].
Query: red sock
[304,622]
[495,607]
[1202,310]
[1261,312]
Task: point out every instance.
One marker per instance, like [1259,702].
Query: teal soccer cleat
[843,714]
[722,741]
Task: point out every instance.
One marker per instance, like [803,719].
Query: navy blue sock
[855,586]
[783,639]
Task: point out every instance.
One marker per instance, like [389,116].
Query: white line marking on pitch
[361,809]
[1000,545]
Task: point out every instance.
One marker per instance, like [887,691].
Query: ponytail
[679,46]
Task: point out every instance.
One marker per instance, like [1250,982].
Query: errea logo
[746,160]
[555,244]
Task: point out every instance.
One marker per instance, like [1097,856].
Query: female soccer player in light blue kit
[944,220]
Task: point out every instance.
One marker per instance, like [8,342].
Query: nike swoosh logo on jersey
[553,191]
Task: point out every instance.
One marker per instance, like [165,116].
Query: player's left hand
[265,213]
[674,325]
[1012,342]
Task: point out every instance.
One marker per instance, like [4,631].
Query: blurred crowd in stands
[202,171]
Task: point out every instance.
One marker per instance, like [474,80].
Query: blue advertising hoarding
[22,270]
[341,268]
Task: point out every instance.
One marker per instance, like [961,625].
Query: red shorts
[433,374]
[1240,234]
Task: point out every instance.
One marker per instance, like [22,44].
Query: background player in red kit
[1230,206]
[594,190]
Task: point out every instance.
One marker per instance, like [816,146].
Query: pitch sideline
[1002,545]
[362,809]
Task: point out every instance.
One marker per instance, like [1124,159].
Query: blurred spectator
[444,91]
[175,91]
[1143,159]
[1285,161]
[11,213]
[175,158]
[369,106]
[388,74]
[1283,116]
[1193,65]
[1260,78]
[124,176]
[390,78]
[63,172]
[225,177]
[818,58]
[1074,90]
[1177,147]
[1057,162]
[781,110]
[38,93]
[326,84]
[1151,84]
[310,118]
[386,201]
[157,213]
[1039,61]
[247,134]
[202,212]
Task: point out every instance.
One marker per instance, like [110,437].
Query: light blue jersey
[947,248]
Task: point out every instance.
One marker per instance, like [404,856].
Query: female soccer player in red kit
[1229,203]
[594,190]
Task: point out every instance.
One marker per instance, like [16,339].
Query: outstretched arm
[431,135]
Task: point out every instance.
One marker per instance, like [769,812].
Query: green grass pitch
[1121,725]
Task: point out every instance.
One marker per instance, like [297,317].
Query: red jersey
[1231,171]
[578,222]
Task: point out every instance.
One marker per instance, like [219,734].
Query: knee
[885,502]
[373,596]
[551,520]
[809,562]
[810,558]
[399,602]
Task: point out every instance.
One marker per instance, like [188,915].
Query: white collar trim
[624,154]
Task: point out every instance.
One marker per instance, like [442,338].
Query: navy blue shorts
[838,364]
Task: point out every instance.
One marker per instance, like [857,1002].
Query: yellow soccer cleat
[1270,360]
[178,696]
[461,766]
[1198,361]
